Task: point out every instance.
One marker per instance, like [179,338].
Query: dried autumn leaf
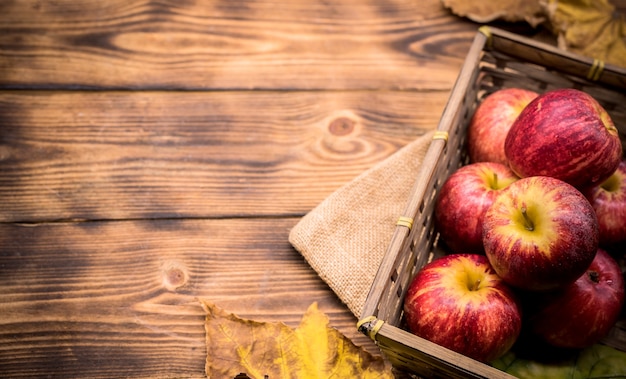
[312,350]
[589,27]
[506,10]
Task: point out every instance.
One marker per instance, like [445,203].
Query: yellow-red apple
[609,201]
[540,233]
[459,302]
[491,122]
[583,312]
[564,133]
[463,200]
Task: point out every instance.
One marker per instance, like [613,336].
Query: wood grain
[155,152]
[120,299]
[144,155]
[122,208]
[203,44]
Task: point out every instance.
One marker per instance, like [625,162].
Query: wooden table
[156,152]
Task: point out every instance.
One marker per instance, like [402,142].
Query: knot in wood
[341,126]
[174,275]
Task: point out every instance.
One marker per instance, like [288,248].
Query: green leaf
[595,362]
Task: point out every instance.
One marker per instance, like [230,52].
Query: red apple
[566,134]
[491,122]
[540,233]
[583,312]
[609,201]
[463,200]
[458,301]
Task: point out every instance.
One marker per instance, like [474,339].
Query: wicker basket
[497,59]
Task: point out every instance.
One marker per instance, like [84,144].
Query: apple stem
[528,224]
[475,286]
[594,276]
[495,180]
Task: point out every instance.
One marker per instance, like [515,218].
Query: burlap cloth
[345,237]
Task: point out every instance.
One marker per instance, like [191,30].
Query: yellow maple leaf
[274,350]
[591,28]
[507,10]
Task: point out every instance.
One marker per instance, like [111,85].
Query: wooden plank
[120,299]
[204,44]
[130,155]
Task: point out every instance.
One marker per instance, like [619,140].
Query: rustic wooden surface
[157,152]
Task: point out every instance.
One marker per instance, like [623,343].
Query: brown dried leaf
[589,27]
[256,349]
[506,10]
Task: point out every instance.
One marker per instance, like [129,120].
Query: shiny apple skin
[566,134]
[561,244]
[482,324]
[463,200]
[584,312]
[609,201]
[491,122]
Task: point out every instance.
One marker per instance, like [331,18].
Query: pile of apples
[527,224]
